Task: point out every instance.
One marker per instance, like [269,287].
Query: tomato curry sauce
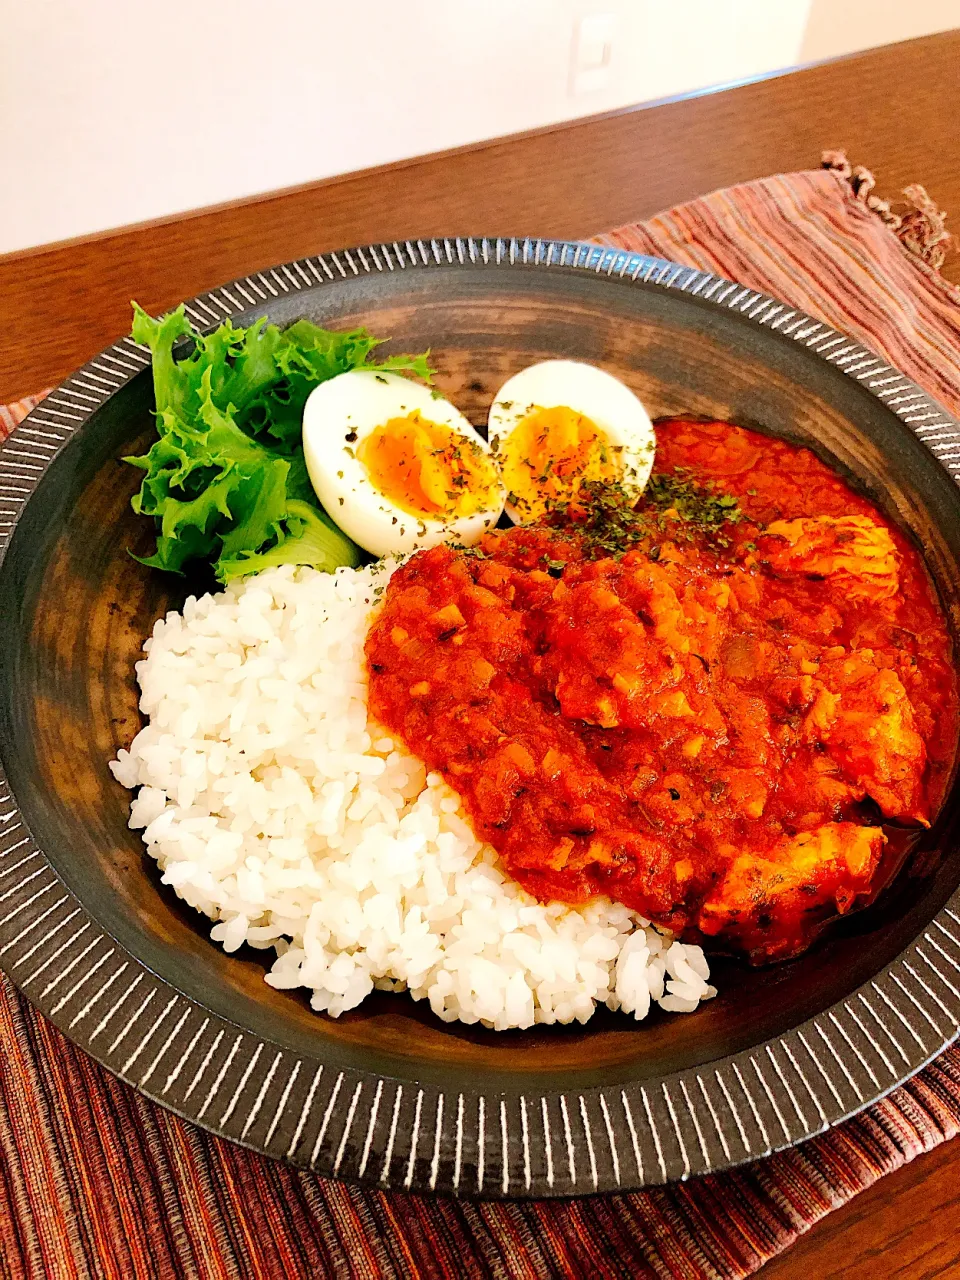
[710,721]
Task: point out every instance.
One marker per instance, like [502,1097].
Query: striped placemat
[95,1181]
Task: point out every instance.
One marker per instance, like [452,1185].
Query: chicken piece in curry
[706,708]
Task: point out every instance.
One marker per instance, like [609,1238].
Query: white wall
[116,111]
[836,27]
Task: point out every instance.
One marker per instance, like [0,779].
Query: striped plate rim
[400,1133]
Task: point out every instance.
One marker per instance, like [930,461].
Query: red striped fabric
[97,1182]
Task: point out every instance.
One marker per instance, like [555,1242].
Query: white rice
[276,808]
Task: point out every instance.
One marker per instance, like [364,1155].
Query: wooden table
[905,1227]
[896,110]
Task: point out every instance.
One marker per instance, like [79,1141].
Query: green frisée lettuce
[310,537]
[225,480]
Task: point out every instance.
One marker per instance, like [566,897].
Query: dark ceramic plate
[388,1094]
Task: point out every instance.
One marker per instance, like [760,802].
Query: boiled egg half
[556,425]
[397,466]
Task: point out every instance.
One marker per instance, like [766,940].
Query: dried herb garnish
[696,507]
[604,517]
[674,505]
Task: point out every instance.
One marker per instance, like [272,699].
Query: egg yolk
[428,469]
[549,455]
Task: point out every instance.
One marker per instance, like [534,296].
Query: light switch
[590,68]
[595,41]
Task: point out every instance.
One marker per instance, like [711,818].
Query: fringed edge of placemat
[920,228]
[11,415]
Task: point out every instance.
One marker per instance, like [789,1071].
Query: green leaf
[311,538]
[298,480]
[172,382]
[406,364]
[254,363]
[172,554]
[258,506]
[225,480]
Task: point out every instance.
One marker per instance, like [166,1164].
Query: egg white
[589,391]
[337,417]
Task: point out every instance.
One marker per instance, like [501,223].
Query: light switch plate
[592,53]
